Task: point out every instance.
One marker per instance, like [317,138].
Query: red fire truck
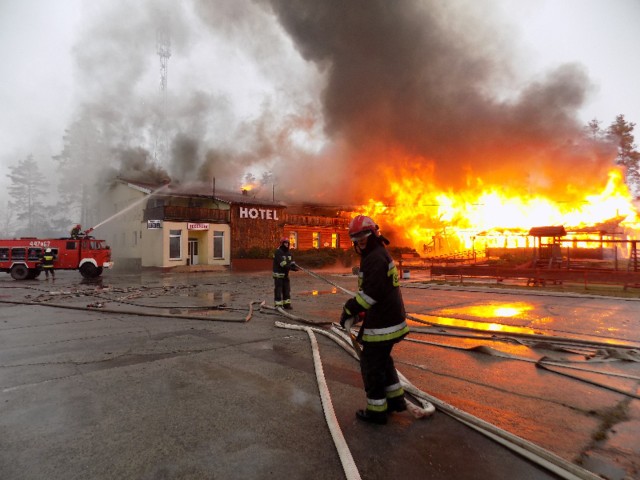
[21,257]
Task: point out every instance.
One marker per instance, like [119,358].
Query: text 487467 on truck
[22,257]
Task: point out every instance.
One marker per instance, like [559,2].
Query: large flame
[434,221]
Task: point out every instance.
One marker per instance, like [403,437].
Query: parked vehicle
[21,257]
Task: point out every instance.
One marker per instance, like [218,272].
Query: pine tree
[79,162]
[620,133]
[593,130]
[28,186]
[6,221]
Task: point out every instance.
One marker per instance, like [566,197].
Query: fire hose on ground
[528,450]
[139,313]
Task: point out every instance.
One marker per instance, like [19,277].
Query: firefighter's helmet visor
[360,235]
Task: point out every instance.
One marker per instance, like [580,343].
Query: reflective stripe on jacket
[47,260]
[282,262]
[380,297]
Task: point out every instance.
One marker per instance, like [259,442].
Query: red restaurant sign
[197,226]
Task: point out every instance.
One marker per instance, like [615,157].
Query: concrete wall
[124,230]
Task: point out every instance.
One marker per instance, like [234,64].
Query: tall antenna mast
[163,49]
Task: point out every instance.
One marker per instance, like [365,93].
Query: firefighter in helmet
[379,305]
[282,263]
[47,263]
[75,231]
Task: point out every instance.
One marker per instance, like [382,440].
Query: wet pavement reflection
[472,351]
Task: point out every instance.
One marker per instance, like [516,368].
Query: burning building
[422,114]
[155,225]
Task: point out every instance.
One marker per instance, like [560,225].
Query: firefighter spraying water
[22,257]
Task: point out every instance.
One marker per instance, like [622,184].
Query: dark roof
[310,209]
[201,189]
[553,231]
[245,198]
[143,186]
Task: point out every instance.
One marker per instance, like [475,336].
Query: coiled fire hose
[528,450]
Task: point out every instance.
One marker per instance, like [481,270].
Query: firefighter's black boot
[287,306]
[379,418]
[398,404]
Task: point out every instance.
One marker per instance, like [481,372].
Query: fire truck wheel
[20,272]
[89,270]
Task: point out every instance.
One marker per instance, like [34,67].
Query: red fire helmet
[283,240]
[362,226]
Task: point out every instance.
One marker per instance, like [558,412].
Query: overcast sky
[47,47]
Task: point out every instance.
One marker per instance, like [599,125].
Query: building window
[175,244]
[293,239]
[335,240]
[218,244]
[155,202]
[316,240]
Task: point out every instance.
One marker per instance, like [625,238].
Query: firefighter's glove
[347,323]
[346,320]
[295,267]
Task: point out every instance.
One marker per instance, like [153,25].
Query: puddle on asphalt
[492,310]
[475,325]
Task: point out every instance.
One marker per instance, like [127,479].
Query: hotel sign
[197,226]
[261,213]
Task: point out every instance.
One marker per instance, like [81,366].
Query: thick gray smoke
[420,80]
[354,90]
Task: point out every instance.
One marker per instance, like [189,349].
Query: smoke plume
[329,99]
[414,85]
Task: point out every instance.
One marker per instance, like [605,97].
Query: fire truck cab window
[4,254]
[18,253]
[72,245]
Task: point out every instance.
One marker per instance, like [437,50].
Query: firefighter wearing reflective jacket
[282,263]
[47,263]
[380,306]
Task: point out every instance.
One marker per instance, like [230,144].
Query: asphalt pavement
[186,376]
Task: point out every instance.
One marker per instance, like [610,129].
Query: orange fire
[436,222]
